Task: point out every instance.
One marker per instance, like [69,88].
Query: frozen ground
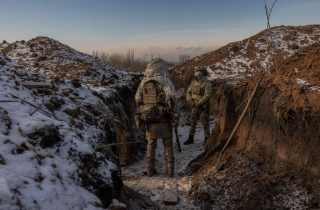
[153,187]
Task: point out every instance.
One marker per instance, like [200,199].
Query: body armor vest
[151,92]
[197,90]
[154,106]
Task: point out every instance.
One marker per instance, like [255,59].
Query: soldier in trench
[155,99]
[198,96]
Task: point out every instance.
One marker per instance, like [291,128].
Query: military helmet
[157,67]
[203,69]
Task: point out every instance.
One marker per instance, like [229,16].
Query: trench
[142,192]
[272,156]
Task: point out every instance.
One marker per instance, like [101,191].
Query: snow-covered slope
[57,157]
[240,60]
[46,55]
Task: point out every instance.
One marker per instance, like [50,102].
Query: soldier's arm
[189,94]
[207,93]
[138,97]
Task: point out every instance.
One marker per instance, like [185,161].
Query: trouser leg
[194,120]
[151,149]
[168,152]
[205,122]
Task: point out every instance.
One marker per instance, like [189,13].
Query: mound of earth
[272,159]
[241,60]
[242,184]
[59,61]
[49,61]
[59,145]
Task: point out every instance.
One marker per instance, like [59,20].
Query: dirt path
[153,187]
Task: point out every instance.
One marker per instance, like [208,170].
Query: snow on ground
[57,60]
[240,60]
[36,177]
[306,83]
[153,187]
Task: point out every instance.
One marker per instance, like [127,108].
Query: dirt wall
[280,130]
[272,159]
[282,139]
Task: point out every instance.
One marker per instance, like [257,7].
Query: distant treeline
[125,62]
[128,62]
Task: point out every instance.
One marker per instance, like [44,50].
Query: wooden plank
[40,90]
[9,100]
[40,86]
[35,106]
[30,85]
[170,195]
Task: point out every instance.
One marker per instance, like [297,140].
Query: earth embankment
[274,151]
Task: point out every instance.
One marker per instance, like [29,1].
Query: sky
[163,28]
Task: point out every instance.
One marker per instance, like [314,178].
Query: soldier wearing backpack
[155,99]
[198,96]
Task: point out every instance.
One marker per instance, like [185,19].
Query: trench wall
[280,139]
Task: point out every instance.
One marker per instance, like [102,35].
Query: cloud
[189,48]
[153,48]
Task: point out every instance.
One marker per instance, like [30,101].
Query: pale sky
[165,28]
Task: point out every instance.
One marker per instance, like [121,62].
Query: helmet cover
[202,69]
[156,67]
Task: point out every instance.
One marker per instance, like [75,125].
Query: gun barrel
[177,139]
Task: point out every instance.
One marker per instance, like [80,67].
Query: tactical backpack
[154,105]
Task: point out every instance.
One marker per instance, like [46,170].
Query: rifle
[176,123]
[177,139]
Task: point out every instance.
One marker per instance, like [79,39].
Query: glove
[175,116]
[192,104]
[175,124]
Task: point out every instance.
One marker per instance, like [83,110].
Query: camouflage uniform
[157,79]
[198,96]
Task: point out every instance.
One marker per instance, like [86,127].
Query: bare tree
[183,58]
[121,61]
[95,53]
[129,58]
[268,14]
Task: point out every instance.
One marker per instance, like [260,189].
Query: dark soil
[272,161]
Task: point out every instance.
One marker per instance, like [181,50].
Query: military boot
[189,141]
[151,171]
[205,140]
[151,167]
[170,171]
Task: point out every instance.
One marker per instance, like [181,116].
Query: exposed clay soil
[272,162]
[238,61]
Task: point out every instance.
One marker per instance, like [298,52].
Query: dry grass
[129,63]
[121,61]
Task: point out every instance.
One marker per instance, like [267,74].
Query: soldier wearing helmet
[155,99]
[198,97]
